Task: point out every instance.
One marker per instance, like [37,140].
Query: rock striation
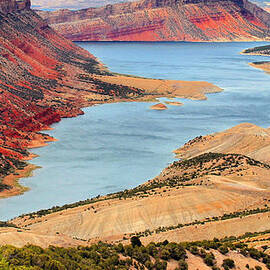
[164,20]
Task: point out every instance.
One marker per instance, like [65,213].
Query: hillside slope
[246,139]
[40,82]
[164,20]
[210,195]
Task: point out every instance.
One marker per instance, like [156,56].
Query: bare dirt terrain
[20,238]
[246,139]
[168,88]
[113,219]
[210,195]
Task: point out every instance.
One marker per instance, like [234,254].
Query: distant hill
[54,5]
[164,20]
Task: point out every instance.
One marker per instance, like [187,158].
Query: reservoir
[118,146]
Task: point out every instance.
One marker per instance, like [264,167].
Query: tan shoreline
[253,53]
[265,66]
[156,88]
[12,180]
[174,103]
[38,144]
[241,187]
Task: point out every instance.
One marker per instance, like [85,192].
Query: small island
[159,107]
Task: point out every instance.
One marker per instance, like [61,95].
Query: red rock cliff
[161,20]
[43,77]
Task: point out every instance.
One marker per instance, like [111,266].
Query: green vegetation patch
[8,165]
[261,49]
[218,164]
[111,89]
[154,256]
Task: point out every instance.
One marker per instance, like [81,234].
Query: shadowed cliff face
[161,20]
[7,6]
[40,82]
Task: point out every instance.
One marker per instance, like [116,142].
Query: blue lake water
[117,146]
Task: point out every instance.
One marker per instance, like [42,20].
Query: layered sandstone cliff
[161,20]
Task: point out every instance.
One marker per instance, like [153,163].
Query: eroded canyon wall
[164,20]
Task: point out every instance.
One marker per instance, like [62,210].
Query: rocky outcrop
[160,20]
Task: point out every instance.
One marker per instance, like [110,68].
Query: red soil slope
[161,20]
[40,82]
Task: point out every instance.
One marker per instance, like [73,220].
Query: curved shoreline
[264,65]
[12,180]
[152,93]
[154,88]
